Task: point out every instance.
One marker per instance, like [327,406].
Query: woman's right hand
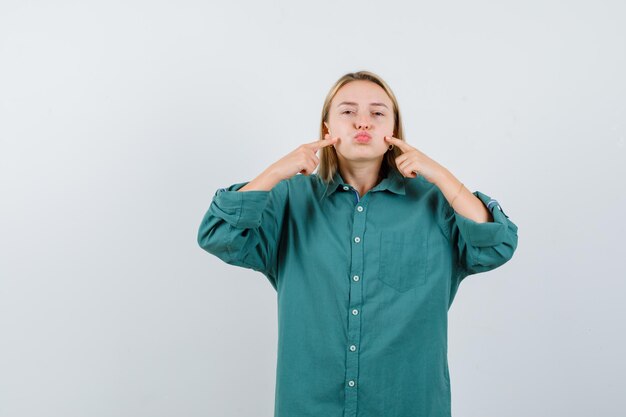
[302,160]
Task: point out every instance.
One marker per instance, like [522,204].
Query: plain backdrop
[120,119]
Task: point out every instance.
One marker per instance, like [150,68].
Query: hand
[301,160]
[413,162]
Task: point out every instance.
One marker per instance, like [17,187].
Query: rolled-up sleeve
[243,228]
[484,246]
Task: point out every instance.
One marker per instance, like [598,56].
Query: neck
[362,178]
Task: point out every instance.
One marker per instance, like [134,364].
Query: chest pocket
[403,259]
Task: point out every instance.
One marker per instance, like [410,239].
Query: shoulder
[422,188]
[426,193]
[306,188]
[301,183]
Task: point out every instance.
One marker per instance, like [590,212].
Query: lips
[362,137]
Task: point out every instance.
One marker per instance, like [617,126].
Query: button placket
[355,300]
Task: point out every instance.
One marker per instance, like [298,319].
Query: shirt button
[353,348]
[351,383]
[359,208]
[345,187]
[355,312]
[356,277]
[357,239]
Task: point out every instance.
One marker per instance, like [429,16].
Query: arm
[464,202]
[482,235]
[480,231]
[244,222]
[243,228]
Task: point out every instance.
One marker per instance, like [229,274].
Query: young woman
[366,256]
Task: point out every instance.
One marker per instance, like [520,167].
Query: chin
[362,157]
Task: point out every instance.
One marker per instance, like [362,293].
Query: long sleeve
[243,228]
[481,247]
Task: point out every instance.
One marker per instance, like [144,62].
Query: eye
[346,111]
[379,113]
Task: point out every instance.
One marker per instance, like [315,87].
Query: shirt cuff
[487,233]
[242,209]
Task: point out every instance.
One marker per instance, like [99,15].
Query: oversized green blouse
[363,283]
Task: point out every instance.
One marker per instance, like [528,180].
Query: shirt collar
[393,182]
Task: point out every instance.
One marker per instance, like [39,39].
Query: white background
[120,119]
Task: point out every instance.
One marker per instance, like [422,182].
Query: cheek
[337,127]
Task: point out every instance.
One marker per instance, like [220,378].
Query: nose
[362,123]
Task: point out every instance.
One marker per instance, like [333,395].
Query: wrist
[442,175]
[271,175]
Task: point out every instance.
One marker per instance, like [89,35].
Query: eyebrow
[355,104]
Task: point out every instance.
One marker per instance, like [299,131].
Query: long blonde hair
[329,162]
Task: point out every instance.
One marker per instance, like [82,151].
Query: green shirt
[363,283]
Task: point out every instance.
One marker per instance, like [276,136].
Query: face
[360,106]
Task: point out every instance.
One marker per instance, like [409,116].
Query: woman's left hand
[413,162]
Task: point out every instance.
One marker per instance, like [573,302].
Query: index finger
[399,143]
[322,143]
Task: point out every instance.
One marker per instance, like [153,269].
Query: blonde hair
[329,163]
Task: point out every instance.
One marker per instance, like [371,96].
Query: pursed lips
[362,138]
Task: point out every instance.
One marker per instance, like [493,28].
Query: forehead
[363,93]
